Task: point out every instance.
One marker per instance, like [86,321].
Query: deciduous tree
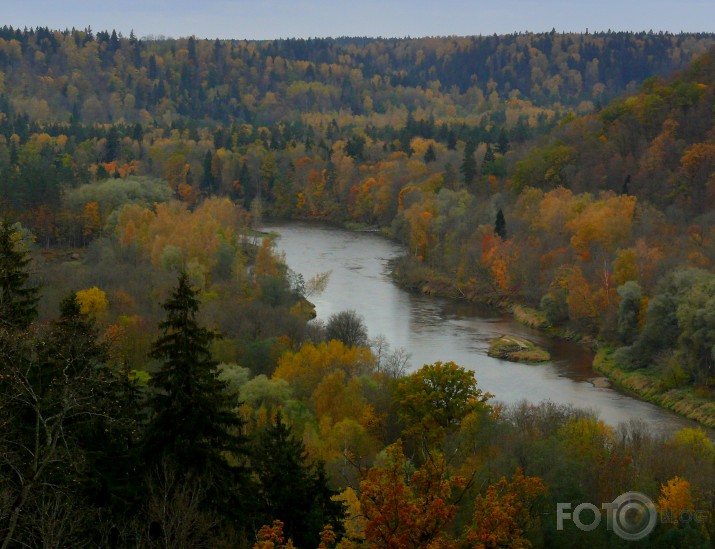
[433,400]
[504,515]
[408,509]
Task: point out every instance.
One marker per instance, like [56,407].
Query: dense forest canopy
[90,78]
[568,177]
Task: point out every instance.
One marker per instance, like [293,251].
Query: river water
[433,329]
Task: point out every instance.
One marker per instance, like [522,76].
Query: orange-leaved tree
[405,509]
[505,513]
[675,499]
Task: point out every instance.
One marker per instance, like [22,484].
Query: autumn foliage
[407,509]
[505,513]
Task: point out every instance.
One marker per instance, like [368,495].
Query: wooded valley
[164,381]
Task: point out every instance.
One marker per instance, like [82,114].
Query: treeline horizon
[103,77]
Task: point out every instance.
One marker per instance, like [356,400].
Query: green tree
[502,142]
[488,161]
[290,489]
[436,398]
[18,300]
[429,155]
[660,330]
[193,425]
[74,339]
[555,307]
[208,182]
[500,225]
[105,431]
[696,320]
[629,311]
[68,434]
[468,168]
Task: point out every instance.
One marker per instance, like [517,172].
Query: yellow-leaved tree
[675,499]
[93,302]
[308,367]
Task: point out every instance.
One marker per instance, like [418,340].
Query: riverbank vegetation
[690,402]
[568,177]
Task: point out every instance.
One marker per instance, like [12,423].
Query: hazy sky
[262,19]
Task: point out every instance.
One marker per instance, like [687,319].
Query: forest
[164,381]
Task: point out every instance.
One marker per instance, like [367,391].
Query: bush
[554,307]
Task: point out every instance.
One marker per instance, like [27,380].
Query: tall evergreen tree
[502,142]
[208,181]
[290,489]
[626,181]
[500,225]
[193,427]
[18,300]
[192,421]
[67,431]
[73,340]
[468,168]
[488,161]
[429,155]
[452,141]
[107,431]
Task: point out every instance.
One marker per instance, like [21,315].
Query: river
[433,329]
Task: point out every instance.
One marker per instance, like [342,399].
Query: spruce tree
[208,181]
[106,432]
[18,300]
[624,189]
[500,225]
[290,489]
[468,167]
[503,142]
[192,426]
[452,141]
[69,434]
[74,339]
[488,161]
[429,155]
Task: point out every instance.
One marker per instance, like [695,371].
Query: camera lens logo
[631,516]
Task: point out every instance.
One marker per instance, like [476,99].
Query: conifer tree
[64,426]
[18,300]
[208,181]
[488,162]
[73,340]
[468,168]
[192,420]
[500,225]
[429,155]
[106,433]
[290,489]
[503,142]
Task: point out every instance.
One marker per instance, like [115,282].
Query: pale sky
[266,19]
